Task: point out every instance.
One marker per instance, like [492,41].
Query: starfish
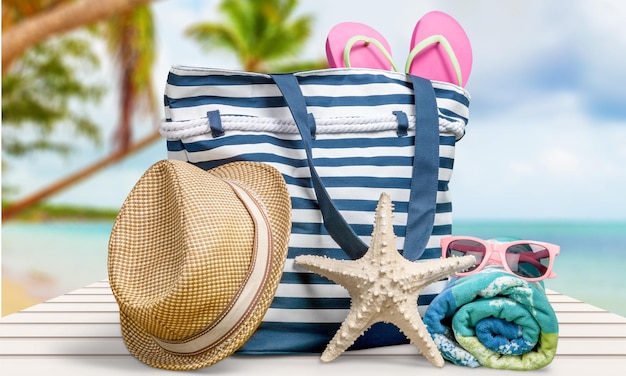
[384,286]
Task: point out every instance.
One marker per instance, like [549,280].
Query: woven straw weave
[180,250]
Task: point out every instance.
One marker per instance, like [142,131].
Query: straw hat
[195,258]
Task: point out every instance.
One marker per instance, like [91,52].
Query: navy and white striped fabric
[363,144]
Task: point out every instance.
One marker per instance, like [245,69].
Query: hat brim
[270,188]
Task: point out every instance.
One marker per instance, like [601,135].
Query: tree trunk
[13,209]
[61,19]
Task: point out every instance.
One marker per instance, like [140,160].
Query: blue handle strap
[423,195]
[334,222]
[425,175]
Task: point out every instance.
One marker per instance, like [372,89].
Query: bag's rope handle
[423,193]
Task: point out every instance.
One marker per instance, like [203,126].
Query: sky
[546,137]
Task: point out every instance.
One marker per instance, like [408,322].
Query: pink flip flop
[353,44]
[440,50]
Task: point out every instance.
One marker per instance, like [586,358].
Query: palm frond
[260,33]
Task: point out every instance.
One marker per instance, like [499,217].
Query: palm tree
[263,34]
[31,22]
[130,38]
[32,103]
[130,33]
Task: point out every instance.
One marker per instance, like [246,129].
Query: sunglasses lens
[528,260]
[459,248]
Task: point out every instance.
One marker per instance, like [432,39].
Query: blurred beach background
[544,156]
[44,260]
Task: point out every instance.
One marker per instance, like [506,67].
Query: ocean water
[52,258]
[57,257]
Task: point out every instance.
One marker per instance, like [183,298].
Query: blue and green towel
[495,319]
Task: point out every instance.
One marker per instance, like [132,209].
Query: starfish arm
[342,272]
[358,321]
[408,320]
[425,273]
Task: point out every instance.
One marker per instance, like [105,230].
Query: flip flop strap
[367,40]
[446,46]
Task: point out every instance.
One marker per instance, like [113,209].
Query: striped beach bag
[340,137]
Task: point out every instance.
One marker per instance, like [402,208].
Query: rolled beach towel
[495,319]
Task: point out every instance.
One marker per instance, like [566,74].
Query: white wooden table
[79,333]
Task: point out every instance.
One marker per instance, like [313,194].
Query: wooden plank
[596,330]
[91,291]
[603,317]
[63,346]
[83,298]
[558,298]
[60,330]
[62,317]
[100,284]
[575,307]
[73,307]
[592,346]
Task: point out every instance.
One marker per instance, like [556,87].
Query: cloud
[538,162]
[546,47]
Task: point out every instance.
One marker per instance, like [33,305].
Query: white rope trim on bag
[174,130]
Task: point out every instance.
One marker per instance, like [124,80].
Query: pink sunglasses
[527,259]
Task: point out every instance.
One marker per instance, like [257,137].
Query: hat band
[245,301]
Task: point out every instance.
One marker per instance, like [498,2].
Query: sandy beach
[15,297]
